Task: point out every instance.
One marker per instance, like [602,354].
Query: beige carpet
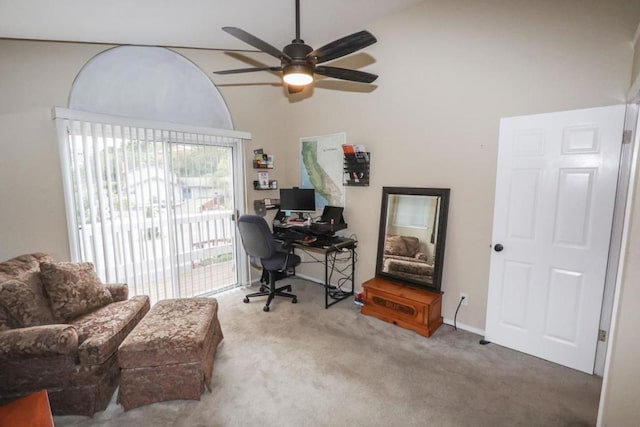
[302,365]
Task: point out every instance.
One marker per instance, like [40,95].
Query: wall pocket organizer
[356,169]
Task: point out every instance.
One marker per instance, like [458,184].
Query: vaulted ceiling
[188,23]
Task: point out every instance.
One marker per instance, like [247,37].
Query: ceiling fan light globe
[297,79]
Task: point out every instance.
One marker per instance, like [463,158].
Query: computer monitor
[298,200]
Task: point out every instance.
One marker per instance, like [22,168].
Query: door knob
[498,247]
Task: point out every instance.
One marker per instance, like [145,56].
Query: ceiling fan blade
[343,46]
[248,70]
[256,42]
[294,89]
[346,74]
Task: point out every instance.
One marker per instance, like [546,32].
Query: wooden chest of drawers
[410,308]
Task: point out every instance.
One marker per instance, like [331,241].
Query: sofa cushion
[73,288]
[175,331]
[101,332]
[7,322]
[14,267]
[24,300]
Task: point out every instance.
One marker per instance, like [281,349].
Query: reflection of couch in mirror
[402,258]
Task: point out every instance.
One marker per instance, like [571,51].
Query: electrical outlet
[464,295]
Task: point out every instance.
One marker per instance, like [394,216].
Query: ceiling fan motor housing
[298,52]
[299,65]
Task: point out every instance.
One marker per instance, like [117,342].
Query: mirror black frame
[443,209]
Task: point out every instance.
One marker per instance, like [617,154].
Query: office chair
[259,243]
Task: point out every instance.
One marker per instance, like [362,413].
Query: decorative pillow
[395,245]
[74,289]
[23,298]
[413,244]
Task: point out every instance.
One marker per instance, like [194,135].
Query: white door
[555,191]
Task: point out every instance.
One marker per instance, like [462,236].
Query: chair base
[271,292]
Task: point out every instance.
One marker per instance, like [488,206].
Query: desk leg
[353,270]
[326,280]
[327,285]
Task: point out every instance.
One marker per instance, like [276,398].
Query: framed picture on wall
[263,179]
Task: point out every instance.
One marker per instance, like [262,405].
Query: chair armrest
[283,245]
[38,341]
[119,291]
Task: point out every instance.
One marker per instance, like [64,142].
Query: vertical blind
[152,207]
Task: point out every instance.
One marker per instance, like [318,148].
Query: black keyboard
[323,241]
[290,234]
[328,241]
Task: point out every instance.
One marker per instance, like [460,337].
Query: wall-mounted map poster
[321,168]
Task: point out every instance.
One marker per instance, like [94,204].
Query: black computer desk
[330,251]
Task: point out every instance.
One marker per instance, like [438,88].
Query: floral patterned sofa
[402,258]
[60,329]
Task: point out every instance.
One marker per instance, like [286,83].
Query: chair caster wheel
[245,300]
[265,308]
[294,300]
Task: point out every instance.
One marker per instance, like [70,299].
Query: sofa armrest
[422,257]
[119,291]
[38,341]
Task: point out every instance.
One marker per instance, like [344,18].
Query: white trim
[624,171]
[309,278]
[240,205]
[635,88]
[465,327]
[623,251]
[445,321]
[63,151]
[85,116]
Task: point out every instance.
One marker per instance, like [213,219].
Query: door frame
[633,112]
[618,237]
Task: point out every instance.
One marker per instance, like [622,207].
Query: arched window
[153,172]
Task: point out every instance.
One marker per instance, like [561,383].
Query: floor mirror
[411,240]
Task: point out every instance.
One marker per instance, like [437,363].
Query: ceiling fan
[299,61]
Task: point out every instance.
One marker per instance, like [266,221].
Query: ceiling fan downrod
[297,40]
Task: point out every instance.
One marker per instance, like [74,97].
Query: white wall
[635,73]
[37,76]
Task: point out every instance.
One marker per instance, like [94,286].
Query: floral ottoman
[169,355]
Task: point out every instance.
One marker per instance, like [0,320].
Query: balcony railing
[169,255]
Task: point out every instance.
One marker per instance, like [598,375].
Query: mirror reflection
[411,241]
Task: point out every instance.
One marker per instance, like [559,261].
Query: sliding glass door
[153,207]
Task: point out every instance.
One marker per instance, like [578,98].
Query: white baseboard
[309,278]
[465,327]
[446,321]
[300,276]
